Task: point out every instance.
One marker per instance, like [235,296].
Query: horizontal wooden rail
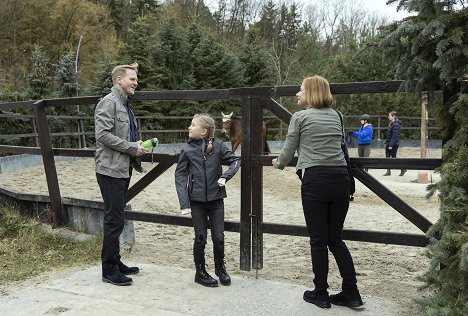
[375,163]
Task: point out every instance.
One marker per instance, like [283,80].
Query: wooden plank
[209,94]
[349,88]
[71,101]
[16,105]
[404,239]
[147,179]
[177,220]
[279,110]
[392,199]
[58,214]
[246,188]
[397,163]
[257,183]
[374,163]
[74,152]
[253,92]
[20,150]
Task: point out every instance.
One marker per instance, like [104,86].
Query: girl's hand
[186,211]
[222,182]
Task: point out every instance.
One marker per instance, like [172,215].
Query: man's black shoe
[116,278]
[341,299]
[322,300]
[128,270]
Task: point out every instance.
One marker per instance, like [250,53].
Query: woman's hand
[274,162]
[186,211]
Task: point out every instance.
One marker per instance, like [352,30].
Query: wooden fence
[251,226]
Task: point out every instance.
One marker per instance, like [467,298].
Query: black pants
[113,191]
[201,213]
[391,153]
[325,201]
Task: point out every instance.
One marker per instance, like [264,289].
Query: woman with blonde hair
[316,133]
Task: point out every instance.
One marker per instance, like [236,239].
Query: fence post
[257,147]
[33,124]
[246,186]
[57,212]
[378,127]
[83,133]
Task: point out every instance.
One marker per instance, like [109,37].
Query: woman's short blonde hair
[121,70]
[317,92]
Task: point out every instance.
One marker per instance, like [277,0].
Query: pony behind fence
[232,127]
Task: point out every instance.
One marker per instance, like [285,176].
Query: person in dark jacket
[392,142]
[200,184]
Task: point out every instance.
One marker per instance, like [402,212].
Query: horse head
[226,123]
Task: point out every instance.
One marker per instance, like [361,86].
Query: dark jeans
[113,191]
[325,201]
[391,153]
[201,213]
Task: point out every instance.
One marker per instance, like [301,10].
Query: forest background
[188,44]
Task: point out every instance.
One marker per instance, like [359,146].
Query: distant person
[364,136]
[117,145]
[200,184]
[392,141]
[315,133]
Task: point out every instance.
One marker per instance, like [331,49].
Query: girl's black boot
[202,277]
[220,270]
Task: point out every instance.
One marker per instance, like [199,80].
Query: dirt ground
[383,270]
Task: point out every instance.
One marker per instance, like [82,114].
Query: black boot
[202,277]
[220,270]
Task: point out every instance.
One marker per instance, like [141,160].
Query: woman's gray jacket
[197,174]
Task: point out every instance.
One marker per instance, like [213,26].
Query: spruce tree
[39,78]
[103,82]
[65,76]
[432,50]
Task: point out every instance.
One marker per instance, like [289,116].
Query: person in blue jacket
[364,136]
[392,142]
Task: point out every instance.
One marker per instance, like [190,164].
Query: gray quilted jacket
[197,174]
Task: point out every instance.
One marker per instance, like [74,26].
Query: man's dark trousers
[113,192]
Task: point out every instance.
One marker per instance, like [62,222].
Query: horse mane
[235,117]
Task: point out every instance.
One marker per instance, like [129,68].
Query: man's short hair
[120,70]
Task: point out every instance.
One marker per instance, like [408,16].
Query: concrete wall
[18,162]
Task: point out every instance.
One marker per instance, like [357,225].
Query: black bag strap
[342,126]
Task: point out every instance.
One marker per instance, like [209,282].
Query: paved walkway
[159,290]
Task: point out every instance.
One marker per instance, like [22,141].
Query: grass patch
[27,250]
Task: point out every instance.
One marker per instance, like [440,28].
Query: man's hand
[222,182]
[141,151]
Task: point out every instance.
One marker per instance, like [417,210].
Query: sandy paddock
[383,270]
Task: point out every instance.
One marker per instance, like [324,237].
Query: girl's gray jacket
[197,174]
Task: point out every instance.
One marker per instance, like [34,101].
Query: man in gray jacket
[117,147]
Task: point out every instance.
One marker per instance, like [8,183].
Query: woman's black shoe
[322,300]
[341,299]
[128,270]
[116,278]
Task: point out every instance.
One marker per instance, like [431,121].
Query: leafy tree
[39,77]
[431,49]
